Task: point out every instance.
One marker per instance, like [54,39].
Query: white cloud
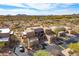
[47,6]
[32,12]
[40,6]
[17,5]
[11,2]
[16,11]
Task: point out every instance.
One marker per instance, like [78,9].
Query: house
[70,30]
[29,38]
[53,28]
[40,34]
[4,35]
[61,34]
[34,36]
[49,34]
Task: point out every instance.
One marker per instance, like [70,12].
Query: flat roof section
[4,30]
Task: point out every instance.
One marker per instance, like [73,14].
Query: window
[0,31]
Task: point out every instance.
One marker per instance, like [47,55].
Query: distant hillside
[30,17]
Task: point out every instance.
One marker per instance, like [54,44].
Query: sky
[13,7]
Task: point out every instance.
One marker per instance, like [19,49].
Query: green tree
[41,53]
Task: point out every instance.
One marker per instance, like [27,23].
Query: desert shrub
[74,46]
[73,32]
[41,53]
[2,44]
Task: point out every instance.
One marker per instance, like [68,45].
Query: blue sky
[39,8]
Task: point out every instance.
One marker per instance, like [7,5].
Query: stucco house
[29,38]
[4,35]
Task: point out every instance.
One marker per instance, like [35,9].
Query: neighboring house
[61,34]
[4,36]
[29,38]
[49,34]
[53,28]
[34,36]
[40,34]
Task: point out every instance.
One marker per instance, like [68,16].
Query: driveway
[73,38]
[55,49]
[18,53]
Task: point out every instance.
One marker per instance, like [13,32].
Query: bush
[74,46]
[41,53]
[2,44]
[73,32]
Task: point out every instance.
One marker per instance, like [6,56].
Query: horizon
[37,15]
